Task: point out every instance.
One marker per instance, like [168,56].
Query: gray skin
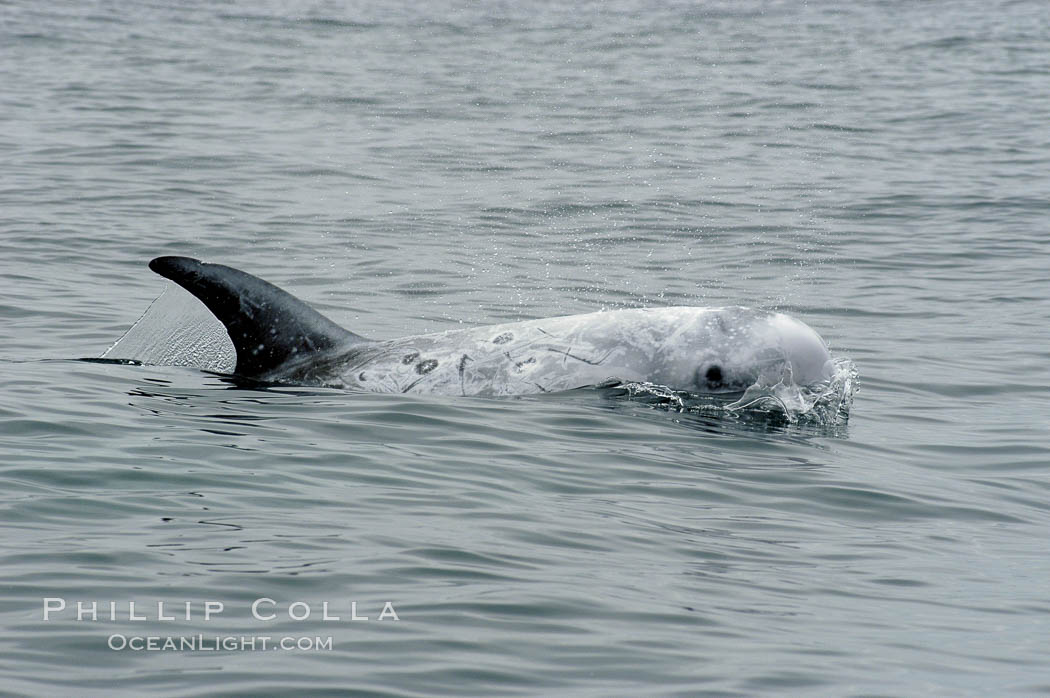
[699,350]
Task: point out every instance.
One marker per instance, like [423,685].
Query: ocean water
[878,171]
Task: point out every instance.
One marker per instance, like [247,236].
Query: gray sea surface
[878,170]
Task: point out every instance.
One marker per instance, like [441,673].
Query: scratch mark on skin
[568,354]
[411,385]
[462,371]
[518,349]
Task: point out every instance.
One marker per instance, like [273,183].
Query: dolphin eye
[710,377]
[714,374]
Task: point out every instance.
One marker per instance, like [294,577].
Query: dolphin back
[268,326]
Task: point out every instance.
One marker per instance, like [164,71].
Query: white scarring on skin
[703,350]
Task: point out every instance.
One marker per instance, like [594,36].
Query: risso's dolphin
[279,338]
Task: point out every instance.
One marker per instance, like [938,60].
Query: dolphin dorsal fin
[268,326]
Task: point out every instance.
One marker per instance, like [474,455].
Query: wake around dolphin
[279,338]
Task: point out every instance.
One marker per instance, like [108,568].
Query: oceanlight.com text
[217,643]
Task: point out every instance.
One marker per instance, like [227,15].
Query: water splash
[176,330]
[827,403]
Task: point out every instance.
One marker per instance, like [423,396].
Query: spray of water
[827,403]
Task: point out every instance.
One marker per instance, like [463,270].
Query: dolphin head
[805,352]
[727,350]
